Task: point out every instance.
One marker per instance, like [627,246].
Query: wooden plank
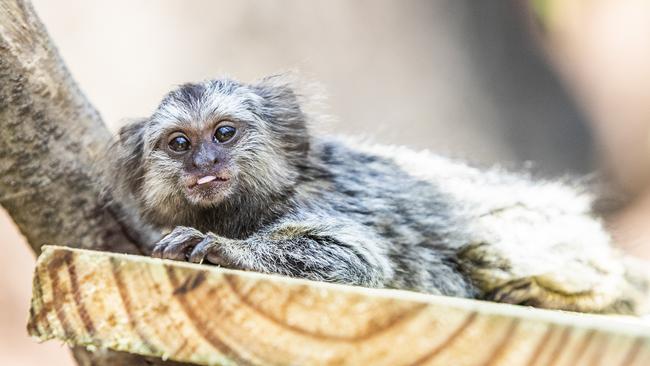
[212,316]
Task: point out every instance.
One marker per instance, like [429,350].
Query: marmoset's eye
[224,133]
[179,143]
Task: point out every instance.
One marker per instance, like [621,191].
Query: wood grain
[213,316]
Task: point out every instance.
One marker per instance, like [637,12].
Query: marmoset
[234,171]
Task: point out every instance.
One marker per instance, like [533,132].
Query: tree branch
[51,139]
[51,144]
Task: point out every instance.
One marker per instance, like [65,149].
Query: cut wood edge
[209,315]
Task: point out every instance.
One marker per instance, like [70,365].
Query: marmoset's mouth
[207,189]
[206,181]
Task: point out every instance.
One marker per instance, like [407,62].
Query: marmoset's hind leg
[554,260]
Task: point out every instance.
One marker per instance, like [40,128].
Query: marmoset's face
[197,135]
[210,143]
[203,152]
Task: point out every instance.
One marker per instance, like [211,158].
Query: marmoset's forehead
[196,103]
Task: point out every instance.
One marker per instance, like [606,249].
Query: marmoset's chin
[209,193]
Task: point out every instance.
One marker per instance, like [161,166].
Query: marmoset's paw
[544,293]
[189,244]
[178,244]
[208,250]
[564,280]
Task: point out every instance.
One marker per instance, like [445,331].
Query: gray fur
[334,210]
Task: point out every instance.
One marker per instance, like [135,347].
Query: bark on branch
[51,140]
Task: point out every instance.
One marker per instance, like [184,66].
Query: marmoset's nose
[205,157]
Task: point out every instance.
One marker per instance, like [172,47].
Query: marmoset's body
[233,170]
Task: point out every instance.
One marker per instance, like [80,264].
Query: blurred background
[556,86]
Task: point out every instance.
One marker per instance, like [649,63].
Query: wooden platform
[212,316]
